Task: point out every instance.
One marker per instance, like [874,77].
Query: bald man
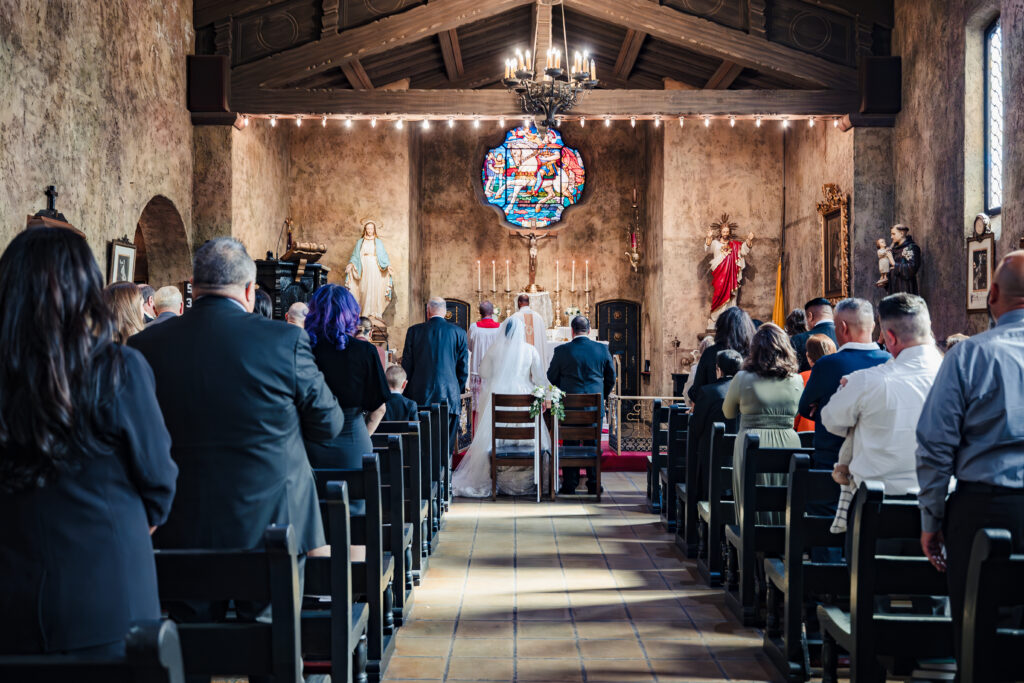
[296,314]
[972,428]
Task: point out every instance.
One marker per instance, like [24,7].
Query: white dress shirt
[881,405]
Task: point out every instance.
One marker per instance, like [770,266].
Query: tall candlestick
[494,282]
[572,282]
[508,279]
[586,265]
[556,275]
[478,285]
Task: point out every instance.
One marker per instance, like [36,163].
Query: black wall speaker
[881,85]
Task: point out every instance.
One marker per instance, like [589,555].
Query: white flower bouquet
[550,394]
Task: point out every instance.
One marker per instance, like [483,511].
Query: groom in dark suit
[436,359]
[582,367]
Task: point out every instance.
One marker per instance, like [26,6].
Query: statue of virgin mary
[368,274]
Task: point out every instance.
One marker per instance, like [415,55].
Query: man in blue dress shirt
[972,428]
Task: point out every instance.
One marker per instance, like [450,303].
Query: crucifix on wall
[532,238]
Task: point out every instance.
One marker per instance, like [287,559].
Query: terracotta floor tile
[483,647]
[544,629]
[610,649]
[550,648]
[408,646]
[474,669]
[676,649]
[430,668]
[419,627]
[605,629]
[567,670]
[484,629]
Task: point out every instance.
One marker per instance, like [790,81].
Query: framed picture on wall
[981,253]
[834,216]
[122,261]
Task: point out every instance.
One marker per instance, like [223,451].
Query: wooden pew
[795,583]
[416,460]
[428,431]
[688,496]
[749,541]
[372,579]
[398,527]
[884,640]
[718,510]
[439,414]
[337,633]
[237,648]
[673,475]
[656,460]
[153,655]
[995,578]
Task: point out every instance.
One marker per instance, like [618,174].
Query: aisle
[569,591]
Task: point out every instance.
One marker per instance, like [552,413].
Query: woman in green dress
[765,395]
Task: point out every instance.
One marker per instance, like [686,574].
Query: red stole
[726,278]
[487,324]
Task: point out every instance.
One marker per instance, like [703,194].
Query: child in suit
[398,407]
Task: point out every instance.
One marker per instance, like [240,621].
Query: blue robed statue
[368,274]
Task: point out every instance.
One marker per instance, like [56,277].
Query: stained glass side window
[993,118]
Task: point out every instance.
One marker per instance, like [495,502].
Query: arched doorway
[162,252]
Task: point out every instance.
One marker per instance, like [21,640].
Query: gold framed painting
[834,218]
[981,254]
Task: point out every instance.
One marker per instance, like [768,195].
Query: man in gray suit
[238,393]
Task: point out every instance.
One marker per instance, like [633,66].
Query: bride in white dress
[511,366]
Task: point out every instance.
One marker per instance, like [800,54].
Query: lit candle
[529,64]
[572,280]
[494,282]
[586,265]
[632,240]
[556,275]
[508,280]
[593,70]
[479,286]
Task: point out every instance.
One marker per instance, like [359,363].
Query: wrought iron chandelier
[558,89]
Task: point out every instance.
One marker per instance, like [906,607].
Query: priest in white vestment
[536,330]
[482,334]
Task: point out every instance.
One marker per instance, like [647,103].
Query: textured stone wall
[211,186]
[260,192]
[814,156]
[340,177]
[94,103]
[653,315]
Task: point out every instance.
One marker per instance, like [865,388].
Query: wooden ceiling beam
[378,36]
[628,53]
[356,75]
[209,11]
[599,103]
[701,35]
[723,77]
[451,53]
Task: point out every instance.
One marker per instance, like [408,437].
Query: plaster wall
[94,103]
[260,195]
[337,179]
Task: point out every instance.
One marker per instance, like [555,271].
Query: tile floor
[569,591]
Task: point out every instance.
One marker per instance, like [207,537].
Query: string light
[810,122]
[657,121]
[245,121]
[273,121]
[373,122]
[607,121]
[835,122]
[501,122]
[399,124]
[732,121]
[583,121]
[757,121]
[476,121]
[348,122]
[785,123]
[682,121]
[323,121]
[632,121]
[426,124]
[707,121]
[451,121]
[298,121]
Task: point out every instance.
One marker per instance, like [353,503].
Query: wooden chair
[796,583]
[510,420]
[373,578]
[153,656]
[336,634]
[749,541]
[582,423]
[432,468]
[397,526]
[656,460]
[718,510]
[235,648]
[673,476]
[417,489]
[995,579]
[884,640]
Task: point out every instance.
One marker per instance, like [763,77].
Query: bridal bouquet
[552,395]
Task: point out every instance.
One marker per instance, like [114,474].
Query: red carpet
[629,461]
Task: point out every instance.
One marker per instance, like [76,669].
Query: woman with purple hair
[353,372]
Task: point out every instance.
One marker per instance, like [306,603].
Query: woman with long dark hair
[733,330]
[353,372]
[85,466]
[765,395]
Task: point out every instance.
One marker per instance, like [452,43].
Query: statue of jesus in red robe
[727,264]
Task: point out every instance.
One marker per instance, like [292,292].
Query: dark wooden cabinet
[618,323]
[285,284]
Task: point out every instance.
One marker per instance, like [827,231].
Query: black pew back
[673,474]
[717,511]
[236,648]
[416,461]
[397,527]
[656,460]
